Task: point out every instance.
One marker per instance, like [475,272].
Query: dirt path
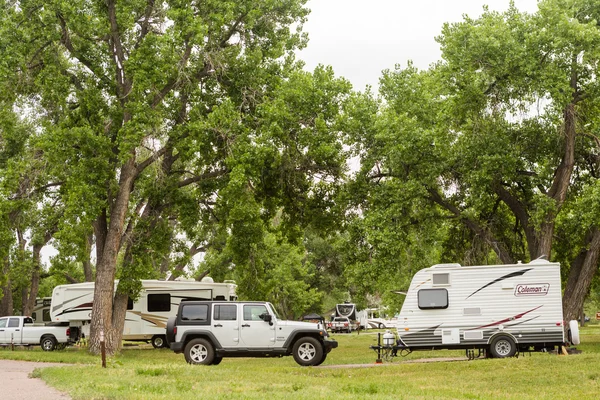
[17,385]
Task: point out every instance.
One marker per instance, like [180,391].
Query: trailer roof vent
[440,279]
[454,265]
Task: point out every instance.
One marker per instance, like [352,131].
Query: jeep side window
[194,312]
[225,312]
[252,312]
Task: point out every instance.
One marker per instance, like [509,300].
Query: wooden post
[103,348]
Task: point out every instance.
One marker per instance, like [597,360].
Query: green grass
[146,373]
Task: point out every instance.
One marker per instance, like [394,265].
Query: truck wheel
[503,346]
[199,351]
[307,351]
[158,341]
[48,343]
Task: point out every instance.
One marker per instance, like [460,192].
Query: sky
[359,39]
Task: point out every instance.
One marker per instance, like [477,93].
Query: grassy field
[349,372]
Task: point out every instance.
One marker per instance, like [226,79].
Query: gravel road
[17,385]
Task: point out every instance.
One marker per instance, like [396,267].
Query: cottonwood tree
[124,94]
[499,141]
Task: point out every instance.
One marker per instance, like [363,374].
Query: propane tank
[389,338]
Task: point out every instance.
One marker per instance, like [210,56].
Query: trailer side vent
[473,335]
[472,311]
[440,279]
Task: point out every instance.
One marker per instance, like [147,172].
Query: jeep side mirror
[266,317]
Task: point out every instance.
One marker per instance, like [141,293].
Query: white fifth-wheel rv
[497,309]
[146,318]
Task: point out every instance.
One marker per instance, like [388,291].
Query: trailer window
[225,312]
[194,312]
[440,279]
[159,302]
[129,303]
[432,298]
[46,315]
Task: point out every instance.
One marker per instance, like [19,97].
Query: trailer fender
[574,332]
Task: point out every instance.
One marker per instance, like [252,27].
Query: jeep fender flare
[192,334]
[295,335]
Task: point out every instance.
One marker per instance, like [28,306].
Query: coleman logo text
[534,289]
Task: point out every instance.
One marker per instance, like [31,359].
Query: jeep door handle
[218,326]
[246,326]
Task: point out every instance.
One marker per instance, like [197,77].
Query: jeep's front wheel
[308,351]
[199,351]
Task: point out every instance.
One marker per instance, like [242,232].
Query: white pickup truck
[20,331]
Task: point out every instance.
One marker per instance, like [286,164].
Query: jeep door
[225,324]
[255,332]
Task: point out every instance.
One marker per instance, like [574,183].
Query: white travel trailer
[146,318]
[497,309]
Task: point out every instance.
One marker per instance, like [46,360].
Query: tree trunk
[6,302]
[578,285]
[103,306]
[31,294]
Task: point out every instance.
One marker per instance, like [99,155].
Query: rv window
[432,298]
[159,302]
[440,279]
[34,316]
[46,315]
[129,303]
[194,312]
[225,312]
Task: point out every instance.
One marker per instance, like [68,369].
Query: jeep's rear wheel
[308,351]
[199,351]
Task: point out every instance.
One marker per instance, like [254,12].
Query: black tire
[503,346]
[48,343]
[171,330]
[307,351]
[199,352]
[159,341]
[381,326]
[217,360]
[322,359]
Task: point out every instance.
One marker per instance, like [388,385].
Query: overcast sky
[359,39]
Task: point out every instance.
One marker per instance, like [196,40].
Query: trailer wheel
[381,326]
[307,351]
[573,332]
[503,346]
[159,341]
[48,343]
[199,351]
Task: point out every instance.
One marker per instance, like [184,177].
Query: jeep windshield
[272,307]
